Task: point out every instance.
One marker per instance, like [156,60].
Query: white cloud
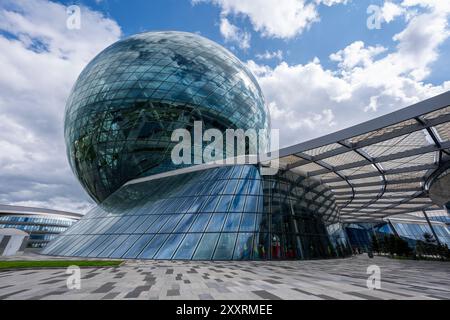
[231,33]
[274,18]
[356,55]
[308,101]
[391,10]
[278,54]
[331,2]
[40,60]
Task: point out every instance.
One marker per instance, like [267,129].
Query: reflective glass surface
[41,229]
[413,230]
[130,98]
[184,217]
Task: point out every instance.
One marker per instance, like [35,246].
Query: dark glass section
[184,216]
[128,101]
[301,220]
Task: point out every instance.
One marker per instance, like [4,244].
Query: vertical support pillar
[431,227]
[297,234]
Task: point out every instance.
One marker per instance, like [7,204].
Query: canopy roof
[380,167]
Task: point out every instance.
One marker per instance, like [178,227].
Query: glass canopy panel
[307,168]
[343,159]
[358,170]
[379,133]
[443,131]
[436,114]
[421,159]
[398,144]
[318,151]
[289,160]
[406,175]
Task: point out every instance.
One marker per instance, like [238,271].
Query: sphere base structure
[224,213]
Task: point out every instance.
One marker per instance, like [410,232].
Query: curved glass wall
[41,229]
[302,219]
[128,101]
[413,231]
[225,213]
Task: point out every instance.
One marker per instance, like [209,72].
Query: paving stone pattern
[247,280]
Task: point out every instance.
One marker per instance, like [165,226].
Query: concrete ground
[320,279]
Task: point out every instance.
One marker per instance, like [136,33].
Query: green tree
[430,244]
[429,238]
[420,248]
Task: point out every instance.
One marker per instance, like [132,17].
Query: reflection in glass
[180,220]
[206,246]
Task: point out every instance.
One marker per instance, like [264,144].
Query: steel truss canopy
[381,167]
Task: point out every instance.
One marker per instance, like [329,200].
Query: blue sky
[320,67]
[339,26]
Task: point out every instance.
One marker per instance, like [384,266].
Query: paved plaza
[320,279]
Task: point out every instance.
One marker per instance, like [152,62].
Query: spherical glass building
[119,121]
[130,98]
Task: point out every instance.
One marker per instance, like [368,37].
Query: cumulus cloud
[391,10]
[231,33]
[40,60]
[267,55]
[273,18]
[356,55]
[307,100]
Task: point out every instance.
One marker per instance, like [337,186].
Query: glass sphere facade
[224,213]
[130,98]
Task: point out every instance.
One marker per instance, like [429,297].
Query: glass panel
[232,222]
[261,246]
[206,247]
[102,245]
[125,246]
[158,224]
[251,204]
[188,246]
[216,222]
[225,246]
[153,246]
[95,241]
[169,246]
[237,205]
[224,203]
[171,223]
[185,223]
[146,224]
[138,246]
[248,222]
[113,245]
[244,245]
[211,204]
[200,223]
